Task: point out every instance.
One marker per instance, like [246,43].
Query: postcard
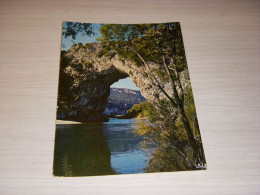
[125,103]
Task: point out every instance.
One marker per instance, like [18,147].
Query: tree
[159,49]
[138,110]
[74,28]
[165,138]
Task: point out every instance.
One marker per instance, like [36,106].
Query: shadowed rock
[88,77]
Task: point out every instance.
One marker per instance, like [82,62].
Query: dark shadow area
[98,149]
[81,150]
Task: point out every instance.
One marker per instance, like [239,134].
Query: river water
[98,149]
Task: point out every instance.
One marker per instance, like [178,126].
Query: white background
[222,47]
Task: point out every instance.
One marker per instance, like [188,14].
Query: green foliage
[88,64]
[101,53]
[74,28]
[145,74]
[165,138]
[140,110]
[161,73]
[165,159]
[80,46]
[87,45]
[150,41]
[190,112]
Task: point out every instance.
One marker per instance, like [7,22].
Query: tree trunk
[198,155]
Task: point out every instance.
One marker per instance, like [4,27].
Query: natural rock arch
[92,77]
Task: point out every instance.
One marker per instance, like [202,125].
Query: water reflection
[97,149]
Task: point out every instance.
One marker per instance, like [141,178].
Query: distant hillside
[121,100]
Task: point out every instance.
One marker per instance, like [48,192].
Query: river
[98,149]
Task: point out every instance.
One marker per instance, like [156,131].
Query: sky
[125,83]
[68,42]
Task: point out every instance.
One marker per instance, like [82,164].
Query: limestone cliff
[121,100]
[87,78]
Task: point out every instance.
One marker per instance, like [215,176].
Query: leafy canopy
[74,28]
[150,41]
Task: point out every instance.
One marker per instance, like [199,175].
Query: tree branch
[158,84]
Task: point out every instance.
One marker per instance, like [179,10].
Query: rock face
[121,100]
[90,77]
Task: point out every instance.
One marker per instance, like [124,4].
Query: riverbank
[62,122]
